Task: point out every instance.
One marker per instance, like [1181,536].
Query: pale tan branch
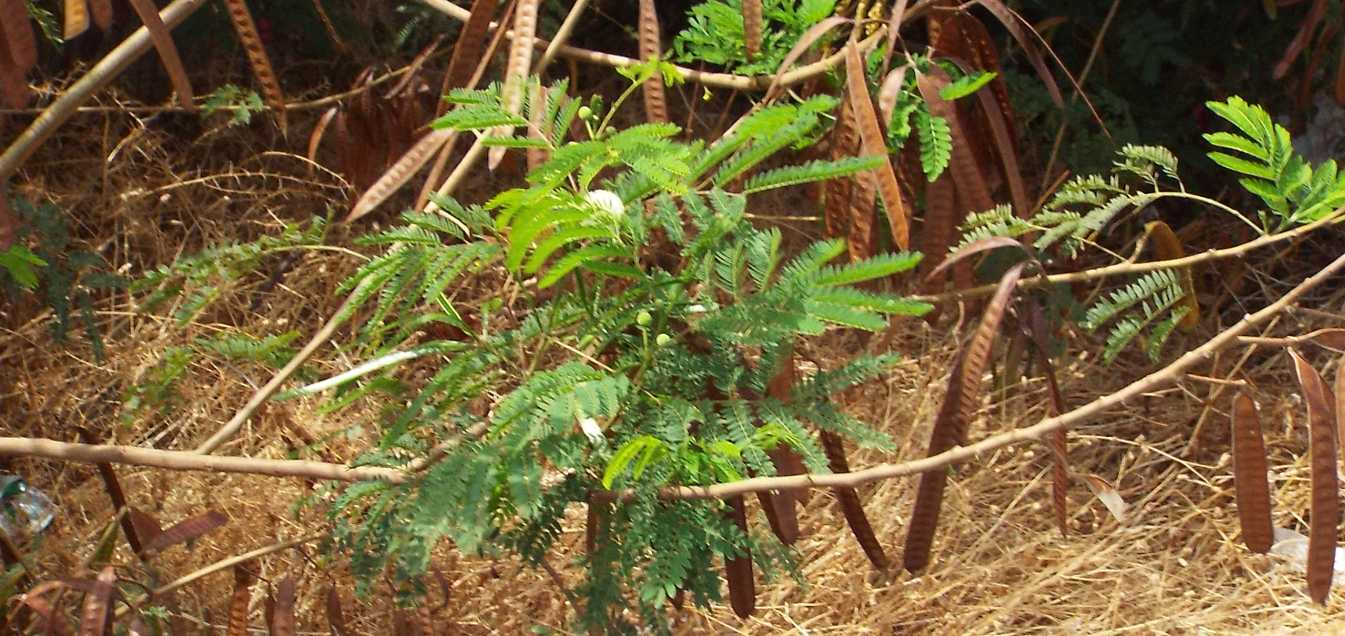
[181,460]
[1121,269]
[190,461]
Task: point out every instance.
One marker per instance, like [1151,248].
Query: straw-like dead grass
[1174,565]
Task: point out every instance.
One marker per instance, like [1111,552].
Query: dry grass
[1175,565]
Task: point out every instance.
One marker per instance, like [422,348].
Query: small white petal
[607,201]
[591,429]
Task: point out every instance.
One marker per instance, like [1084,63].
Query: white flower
[696,309]
[592,430]
[608,202]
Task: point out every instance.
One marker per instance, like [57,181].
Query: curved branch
[1149,266]
[190,461]
[181,460]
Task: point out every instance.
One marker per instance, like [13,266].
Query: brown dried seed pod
[1249,475]
[246,29]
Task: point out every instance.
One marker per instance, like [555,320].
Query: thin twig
[180,460]
[1140,268]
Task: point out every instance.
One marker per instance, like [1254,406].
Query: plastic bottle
[24,511]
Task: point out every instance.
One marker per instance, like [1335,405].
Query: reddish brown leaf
[738,570]
[1058,442]
[320,129]
[14,90]
[976,247]
[1249,476]
[93,619]
[1325,517]
[875,144]
[258,59]
[53,621]
[1339,396]
[238,603]
[336,617]
[955,415]
[941,221]
[1019,30]
[1340,78]
[76,19]
[17,33]
[805,42]
[467,52]
[752,27]
[595,528]
[399,173]
[283,620]
[655,97]
[890,90]
[851,506]
[516,73]
[144,525]
[971,188]
[102,13]
[186,530]
[1301,39]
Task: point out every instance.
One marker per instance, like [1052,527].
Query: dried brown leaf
[973,248]
[93,619]
[1007,150]
[319,130]
[1167,247]
[17,32]
[752,27]
[805,42]
[467,52]
[102,13]
[282,618]
[1301,39]
[54,621]
[890,90]
[1058,442]
[246,29]
[948,432]
[1339,397]
[655,96]
[738,570]
[1249,476]
[875,144]
[186,530]
[239,601]
[971,188]
[336,617]
[1019,30]
[399,173]
[1325,517]
[851,506]
[516,73]
[955,414]
[76,19]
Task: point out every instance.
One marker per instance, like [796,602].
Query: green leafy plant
[45,260]
[241,103]
[1080,214]
[640,318]
[1263,152]
[715,33]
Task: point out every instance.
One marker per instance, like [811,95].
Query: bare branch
[1120,269]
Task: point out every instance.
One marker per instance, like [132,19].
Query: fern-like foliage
[649,319]
[1263,153]
[1152,302]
